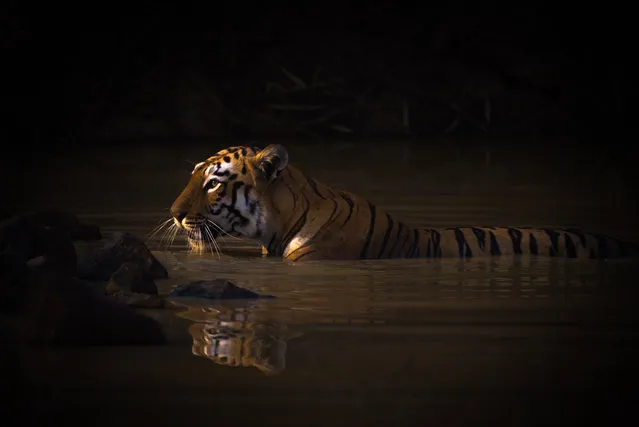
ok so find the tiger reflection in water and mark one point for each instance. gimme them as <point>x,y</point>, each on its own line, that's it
<point>236,338</point>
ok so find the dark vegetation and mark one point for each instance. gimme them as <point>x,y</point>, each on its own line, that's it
<point>347,72</point>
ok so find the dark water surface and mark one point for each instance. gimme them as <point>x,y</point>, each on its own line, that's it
<point>510,342</point>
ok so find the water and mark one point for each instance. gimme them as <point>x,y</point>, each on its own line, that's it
<point>401,342</point>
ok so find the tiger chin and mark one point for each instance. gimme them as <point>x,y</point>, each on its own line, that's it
<point>246,191</point>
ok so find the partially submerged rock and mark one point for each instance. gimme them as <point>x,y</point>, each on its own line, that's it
<point>64,310</point>
<point>49,234</point>
<point>13,283</point>
<point>121,248</point>
<point>43,301</point>
<point>130,277</point>
<point>215,289</point>
<point>139,300</point>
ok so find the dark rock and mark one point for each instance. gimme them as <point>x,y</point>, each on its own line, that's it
<point>66,311</point>
<point>131,278</point>
<point>64,222</point>
<point>13,287</point>
<point>49,234</point>
<point>139,300</point>
<point>87,233</point>
<point>67,222</point>
<point>25,240</point>
<point>121,248</point>
<point>41,300</point>
<point>215,289</point>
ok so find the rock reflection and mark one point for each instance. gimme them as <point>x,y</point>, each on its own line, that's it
<point>238,337</point>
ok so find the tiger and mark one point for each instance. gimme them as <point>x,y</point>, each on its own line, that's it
<point>254,193</point>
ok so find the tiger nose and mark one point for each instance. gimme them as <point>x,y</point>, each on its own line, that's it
<point>178,215</point>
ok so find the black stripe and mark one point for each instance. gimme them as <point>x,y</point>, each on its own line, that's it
<point>350,203</point>
<point>371,229</point>
<point>462,244</point>
<point>515,236</point>
<point>313,185</point>
<point>437,249</point>
<point>299,251</point>
<point>270,247</point>
<point>571,251</point>
<point>236,186</point>
<point>296,227</point>
<point>532,245</point>
<point>461,241</point>
<point>231,208</point>
<point>429,242</point>
<point>404,242</point>
<point>578,233</point>
<point>554,241</point>
<point>602,246</point>
<point>302,255</point>
<point>387,235</point>
<point>413,246</point>
<point>326,224</point>
<point>399,233</point>
<point>494,246</point>
<point>621,249</point>
<point>481,237</point>
<point>331,219</point>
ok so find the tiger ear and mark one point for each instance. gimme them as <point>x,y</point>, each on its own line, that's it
<point>271,160</point>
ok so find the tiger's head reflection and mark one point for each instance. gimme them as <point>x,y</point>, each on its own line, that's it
<point>235,337</point>
<point>238,344</point>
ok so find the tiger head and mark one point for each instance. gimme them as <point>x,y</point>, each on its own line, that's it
<point>226,194</point>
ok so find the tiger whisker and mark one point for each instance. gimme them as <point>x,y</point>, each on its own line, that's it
<point>215,245</point>
<point>200,245</point>
<point>157,229</point>
<point>220,229</point>
<point>191,235</point>
<point>190,240</point>
<point>212,240</point>
<point>175,230</point>
<point>207,239</point>
<point>165,235</point>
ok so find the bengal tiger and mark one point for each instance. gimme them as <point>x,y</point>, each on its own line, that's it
<point>255,193</point>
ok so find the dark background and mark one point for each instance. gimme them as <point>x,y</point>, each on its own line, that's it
<point>310,70</point>
<point>527,78</point>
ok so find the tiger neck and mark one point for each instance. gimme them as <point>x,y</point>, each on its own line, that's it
<point>290,200</point>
